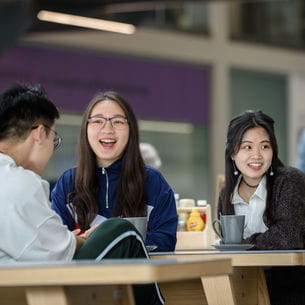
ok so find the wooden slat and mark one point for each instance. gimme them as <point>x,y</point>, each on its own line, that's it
<point>119,273</point>
<point>196,240</point>
<point>218,290</point>
<point>97,295</point>
<point>263,294</point>
<point>46,295</point>
<point>76,295</point>
<point>81,282</point>
<point>245,258</point>
<point>248,287</point>
<point>220,180</point>
<point>177,293</point>
<point>12,296</point>
<point>248,278</point>
<point>202,209</point>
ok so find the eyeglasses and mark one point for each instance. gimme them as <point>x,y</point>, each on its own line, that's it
<point>57,139</point>
<point>117,122</point>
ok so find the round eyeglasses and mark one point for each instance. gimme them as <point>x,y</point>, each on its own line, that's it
<point>57,138</point>
<point>117,122</point>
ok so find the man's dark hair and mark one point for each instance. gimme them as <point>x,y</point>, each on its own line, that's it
<point>21,108</point>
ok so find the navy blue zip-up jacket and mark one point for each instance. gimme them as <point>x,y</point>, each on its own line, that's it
<point>161,206</point>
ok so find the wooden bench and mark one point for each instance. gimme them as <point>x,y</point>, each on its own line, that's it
<point>109,281</point>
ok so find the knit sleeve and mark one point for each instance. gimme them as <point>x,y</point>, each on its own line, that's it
<point>286,226</point>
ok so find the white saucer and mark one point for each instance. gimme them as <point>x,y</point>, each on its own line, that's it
<point>233,247</point>
<point>151,248</point>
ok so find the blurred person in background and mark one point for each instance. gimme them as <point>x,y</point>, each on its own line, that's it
<point>111,179</point>
<point>270,195</point>
<point>150,155</point>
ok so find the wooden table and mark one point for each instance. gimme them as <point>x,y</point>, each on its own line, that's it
<point>108,281</point>
<point>248,278</point>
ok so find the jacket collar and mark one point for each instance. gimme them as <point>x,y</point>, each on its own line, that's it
<point>115,166</point>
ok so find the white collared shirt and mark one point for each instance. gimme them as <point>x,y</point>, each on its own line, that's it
<point>30,230</point>
<point>253,210</point>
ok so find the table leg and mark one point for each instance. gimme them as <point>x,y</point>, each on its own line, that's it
<point>218,290</point>
<point>128,298</point>
<point>184,292</point>
<point>263,294</point>
<point>46,295</point>
<point>250,286</point>
<point>80,295</point>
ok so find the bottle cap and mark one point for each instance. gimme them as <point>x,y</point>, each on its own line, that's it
<point>187,202</point>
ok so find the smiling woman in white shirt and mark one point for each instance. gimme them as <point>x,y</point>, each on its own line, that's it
<point>269,194</point>
<point>259,186</point>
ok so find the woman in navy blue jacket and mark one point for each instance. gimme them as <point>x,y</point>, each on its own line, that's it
<point>111,180</point>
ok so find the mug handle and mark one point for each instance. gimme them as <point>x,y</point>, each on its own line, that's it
<point>214,228</point>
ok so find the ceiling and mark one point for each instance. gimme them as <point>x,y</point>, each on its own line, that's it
<point>19,16</point>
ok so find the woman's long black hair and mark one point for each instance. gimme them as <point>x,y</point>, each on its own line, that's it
<point>237,127</point>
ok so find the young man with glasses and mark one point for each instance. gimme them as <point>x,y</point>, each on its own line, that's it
<point>30,230</point>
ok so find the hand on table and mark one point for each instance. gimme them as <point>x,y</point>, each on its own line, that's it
<point>85,234</point>
<point>81,238</point>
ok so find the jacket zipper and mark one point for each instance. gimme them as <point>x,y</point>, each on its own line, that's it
<point>104,172</point>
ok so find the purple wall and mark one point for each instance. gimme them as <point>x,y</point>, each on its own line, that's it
<point>156,90</point>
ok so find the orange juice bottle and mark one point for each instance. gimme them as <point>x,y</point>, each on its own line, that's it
<point>195,222</point>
